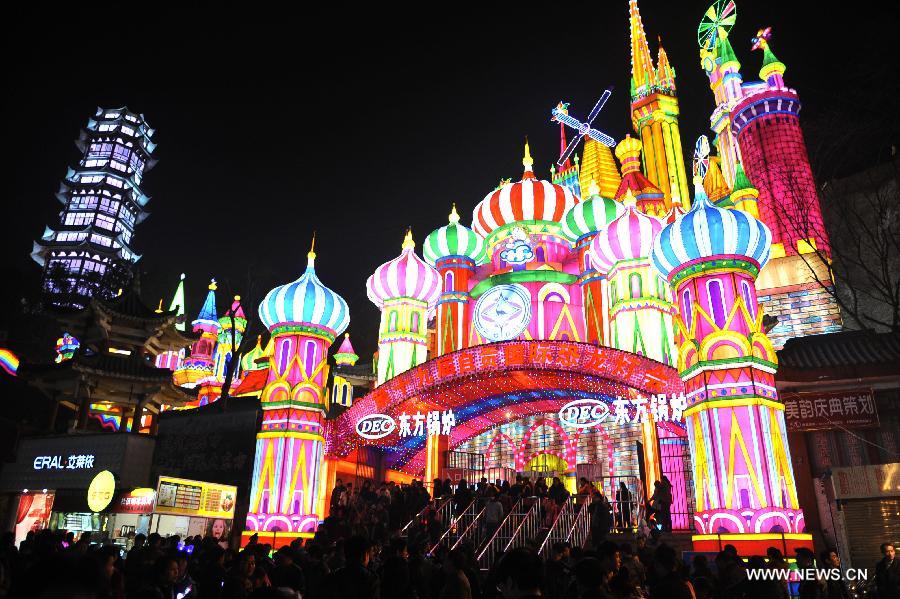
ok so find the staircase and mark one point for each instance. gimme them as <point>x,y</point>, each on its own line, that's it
<point>464,527</point>
<point>518,529</point>
<point>443,509</point>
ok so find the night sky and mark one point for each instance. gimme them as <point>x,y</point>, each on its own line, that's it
<point>356,125</point>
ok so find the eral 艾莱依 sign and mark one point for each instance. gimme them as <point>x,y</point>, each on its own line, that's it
<point>378,426</point>
<point>58,462</point>
<point>588,412</point>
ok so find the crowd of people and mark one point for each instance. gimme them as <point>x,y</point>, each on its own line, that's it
<point>378,542</point>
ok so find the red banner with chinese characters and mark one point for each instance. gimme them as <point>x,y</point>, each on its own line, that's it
<point>854,408</point>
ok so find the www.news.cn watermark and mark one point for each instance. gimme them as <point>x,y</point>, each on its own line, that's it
<point>800,574</point>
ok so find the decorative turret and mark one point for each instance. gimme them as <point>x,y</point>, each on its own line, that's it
<point>406,289</point>
<point>744,195</point>
<point>650,200</point>
<point>304,318</point>
<point>455,251</point>
<point>200,364</point>
<point>177,304</point>
<point>772,70</point>
<point>640,307</point>
<point>712,256</point>
<point>226,345</point>
<point>654,114</point>
<point>581,224</point>
<point>346,355</point>
<point>253,359</point>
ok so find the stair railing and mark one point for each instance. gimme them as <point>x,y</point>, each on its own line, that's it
<point>444,508</point>
<point>559,529</point>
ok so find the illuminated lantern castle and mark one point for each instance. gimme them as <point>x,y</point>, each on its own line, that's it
<point>743,477</point>
<point>654,114</point>
<point>764,159</point>
<point>88,253</point>
<point>200,364</point>
<point>303,317</point>
<point>406,289</point>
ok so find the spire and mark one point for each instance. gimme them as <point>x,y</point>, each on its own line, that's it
<point>528,161</point>
<point>563,108</point>
<point>628,151</point>
<point>159,308</point>
<point>408,243</point>
<point>346,355</point>
<point>454,215</point>
<point>177,304</point>
<point>643,76</point>
<point>311,255</point>
<point>237,308</point>
<point>744,196</point>
<point>593,188</point>
<point>772,69</point>
<point>208,311</point>
<point>725,53</point>
<point>665,74</point>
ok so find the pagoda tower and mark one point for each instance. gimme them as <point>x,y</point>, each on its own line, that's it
<point>406,290</point>
<point>304,318</point>
<point>454,250</point>
<point>200,363</point>
<point>743,477</point>
<point>640,306</point>
<point>88,253</point>
<point>654,114</point>
<point>580,225</point>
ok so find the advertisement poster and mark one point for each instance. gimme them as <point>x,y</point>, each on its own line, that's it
<point>33,514</point>
<point>821,411</point>
<point>183,497</point>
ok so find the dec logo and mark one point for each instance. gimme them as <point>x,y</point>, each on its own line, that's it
<point>375,426</point>
<point>584,413</point>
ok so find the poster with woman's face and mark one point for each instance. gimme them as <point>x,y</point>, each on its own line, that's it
<point>218,528</point>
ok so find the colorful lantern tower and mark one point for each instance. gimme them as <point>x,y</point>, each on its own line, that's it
<point>580,225</point>
<point>406,290</point>
<point>303,317</point>
<point>743,478</point>
<point>342,389</point>
<point>640,308</point>
<point>654,114</point>
<point>177,304</point>
<point>89,252</point>
<point>226,346</point>
<point>455,251</point>
<point>648,197</point>
<point>199,365</point>
<point>766,123</point>
<point>254,359</point>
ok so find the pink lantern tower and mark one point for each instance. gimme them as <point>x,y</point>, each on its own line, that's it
<point>744,482</point>
<point>304,318</point>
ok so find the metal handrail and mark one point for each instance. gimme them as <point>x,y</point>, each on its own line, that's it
<point>577,535</point>
<point>504,531</point>
<point>527,529</point>
<point>636,504</point>
<point>444,509</point>
<point>560,528</point>
<point>463,521</point>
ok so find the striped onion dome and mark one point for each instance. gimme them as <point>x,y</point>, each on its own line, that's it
<point>307,302</point>
<point>591,215</point>
<point>707,231</point>
<point>627,238</point>
<point>528,199</point>
<point>453,240</point>
<point>407,275</point>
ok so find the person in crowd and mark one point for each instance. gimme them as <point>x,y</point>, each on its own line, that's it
<point>520,574</point>
<point>456,583</point>
<point>808,588</point>
<point>355,580</point>
<point>287,574</point>
<point>623,507</point>
<point>558,571</point>
<point>238,583</point>
<point>163,579</point>
<point>670,580</point>
<point>887,572</point>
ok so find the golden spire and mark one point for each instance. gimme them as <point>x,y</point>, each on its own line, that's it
<point>642,72</point>
<point>212,285</point>
<point>593,188</point>
<point>629,199</point>
<point>311,255</point>
<point>454,215</point>
<point>159,308</point>
<point>528,161</point>
<point>408,242</point>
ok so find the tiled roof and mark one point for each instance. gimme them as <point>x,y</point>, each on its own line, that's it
<point>840,355</point>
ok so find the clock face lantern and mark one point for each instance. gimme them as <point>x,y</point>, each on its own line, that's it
<point>503,312</point>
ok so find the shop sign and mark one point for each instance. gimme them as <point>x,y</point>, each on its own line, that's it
<point>137,501</point>
<point>183,497</point>
<point>854,408</point>
<point>375,426</point>
<point>101,491</point>
<point>586,413</point>
<point>58,462</point>
<point>378,426</point>
<point>859,482</point>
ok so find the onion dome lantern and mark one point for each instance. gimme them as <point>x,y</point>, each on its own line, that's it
<point>453,239</point>
<point>406,276</point>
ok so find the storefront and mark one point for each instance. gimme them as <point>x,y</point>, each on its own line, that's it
<point>190,507</point>
<point>49,480</point>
